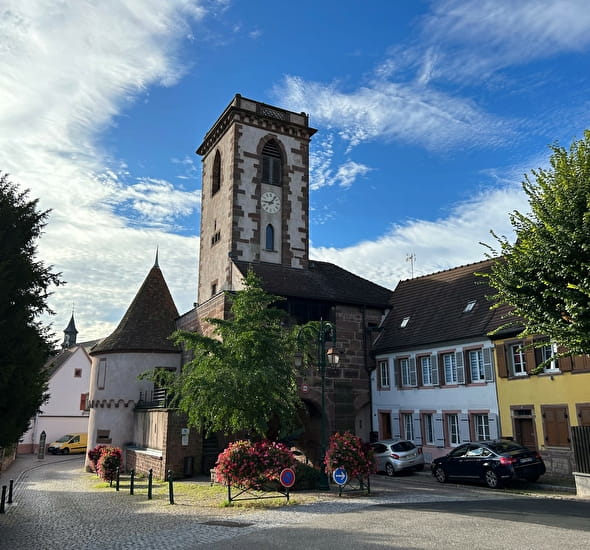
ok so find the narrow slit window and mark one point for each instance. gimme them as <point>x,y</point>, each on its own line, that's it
<point>216,176</point>
<point>270,237</point>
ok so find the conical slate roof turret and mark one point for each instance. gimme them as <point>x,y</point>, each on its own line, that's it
<point>148,323</point>
<point>70,334</point>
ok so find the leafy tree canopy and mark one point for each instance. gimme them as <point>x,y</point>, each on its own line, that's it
<point>25,345</point>
<point>545,274</point>
<point>243,379</point>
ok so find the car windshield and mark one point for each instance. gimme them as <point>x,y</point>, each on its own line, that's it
<point>402,446</point>
<point>505,446</point>
<point>64,438</point>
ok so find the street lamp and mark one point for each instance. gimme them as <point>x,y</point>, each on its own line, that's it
<point>322,333</point>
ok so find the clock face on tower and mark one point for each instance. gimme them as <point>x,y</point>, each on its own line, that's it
<point>270,202</point>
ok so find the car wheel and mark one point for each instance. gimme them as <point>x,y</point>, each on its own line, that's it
<point>419,468</point>
<point>491,478</point>
<point>66,451</point>
<point>389,470</point>
<point>440,474</point>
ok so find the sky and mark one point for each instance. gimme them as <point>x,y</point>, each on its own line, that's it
<point>429,114</point>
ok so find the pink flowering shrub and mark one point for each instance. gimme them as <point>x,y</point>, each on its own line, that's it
<point>110,459</point>
<point>252,465</point>
<point>94,455</point>
<point>349,452</point>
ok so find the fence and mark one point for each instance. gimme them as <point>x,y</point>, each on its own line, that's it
<point>581,445</point>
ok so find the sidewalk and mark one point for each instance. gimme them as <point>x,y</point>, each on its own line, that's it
<point>27,462</point>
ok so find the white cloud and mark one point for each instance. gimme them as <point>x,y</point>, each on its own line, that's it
<point>404,112</point>
<point>67,70</point>
<point>442,244</point>
<point>481,36</point>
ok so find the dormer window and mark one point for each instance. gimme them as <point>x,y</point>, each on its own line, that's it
<point>404,322</point>
<point>470,305</point>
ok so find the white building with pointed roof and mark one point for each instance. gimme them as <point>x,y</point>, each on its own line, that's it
<point>139,343</point>
<point>69,379</point>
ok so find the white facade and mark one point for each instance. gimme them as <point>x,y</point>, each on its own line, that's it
<point>410,402</point>
<point>115,391</point>
<point>65,412</point>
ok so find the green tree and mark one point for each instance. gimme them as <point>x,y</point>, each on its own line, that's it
<point>545,274</point>
<point>25,344</point>
<point>243,379</point>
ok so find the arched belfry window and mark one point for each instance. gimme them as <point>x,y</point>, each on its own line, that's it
<point>216,177</point>
<point>271,163</point>
<point>270,237</point>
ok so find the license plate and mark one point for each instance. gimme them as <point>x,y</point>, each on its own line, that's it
<point>523,460</point>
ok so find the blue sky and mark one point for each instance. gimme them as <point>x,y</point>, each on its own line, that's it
<point>428,116</point>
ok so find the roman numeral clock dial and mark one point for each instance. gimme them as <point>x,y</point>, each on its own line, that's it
<point>270,202</point>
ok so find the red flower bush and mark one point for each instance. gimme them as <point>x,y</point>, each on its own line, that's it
<point>252,465</point>
<point>94,455</point>
<point>349,452</point>
<point>110,459</point>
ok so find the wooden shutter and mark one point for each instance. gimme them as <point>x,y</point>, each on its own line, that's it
<point>440,367</point>
<point>417,429</point>
<point>494,427</point>
<point>419,377</point>
<point>412,370</point>
<point>395,424</point>
<point>464,432</point>
<point>556,426</point>
<point>460,367</point>
<point>398,373</point>
<point>584,415</point>
<point>434,369</point>
<point>488,364</point>
<point>529,355</point>
<point>439,430</point>
<point>501,360</point>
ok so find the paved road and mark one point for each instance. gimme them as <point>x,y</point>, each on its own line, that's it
<point>54,509</point>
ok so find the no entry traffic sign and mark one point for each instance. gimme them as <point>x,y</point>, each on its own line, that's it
<point>287,477</point>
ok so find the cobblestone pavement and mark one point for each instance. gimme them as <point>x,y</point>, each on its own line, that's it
<point>59,506</point>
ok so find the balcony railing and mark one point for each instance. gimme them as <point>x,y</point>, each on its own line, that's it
<point>157,398</point>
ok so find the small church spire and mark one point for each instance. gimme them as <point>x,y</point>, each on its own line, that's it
<point>156,262</point>
<point>70,333</point>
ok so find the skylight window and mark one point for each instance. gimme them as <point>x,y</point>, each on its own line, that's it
<point>405,322</point>
<point>469,307</point>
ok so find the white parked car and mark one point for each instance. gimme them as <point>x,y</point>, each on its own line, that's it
<point>395,455</point>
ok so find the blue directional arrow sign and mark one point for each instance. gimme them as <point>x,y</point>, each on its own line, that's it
<point>340,476</point>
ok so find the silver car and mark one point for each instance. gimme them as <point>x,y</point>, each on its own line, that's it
<point>395,455</point>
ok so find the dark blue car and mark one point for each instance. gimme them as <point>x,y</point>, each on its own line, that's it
<point>490,461</point>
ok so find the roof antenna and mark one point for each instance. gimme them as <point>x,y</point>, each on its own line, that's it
<point>411,258</point>
<point>156,262</point>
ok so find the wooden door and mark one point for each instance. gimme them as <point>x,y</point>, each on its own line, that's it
<point>524,432</point>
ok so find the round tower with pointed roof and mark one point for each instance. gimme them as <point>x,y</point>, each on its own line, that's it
<point>139,343</point>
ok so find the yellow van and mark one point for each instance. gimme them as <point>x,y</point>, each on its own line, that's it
<point>70,443</point>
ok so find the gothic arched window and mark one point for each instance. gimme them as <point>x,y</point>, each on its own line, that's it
<point>216,177</point>
<point>270,237</point>
<point>271,163</point>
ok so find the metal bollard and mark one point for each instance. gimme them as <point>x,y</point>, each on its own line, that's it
<point>10,491</point>
<point>131,481</point>
<point>170,486</point>
<point>3,499</point>
<point>118,479</point>
<point>150,484</point>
